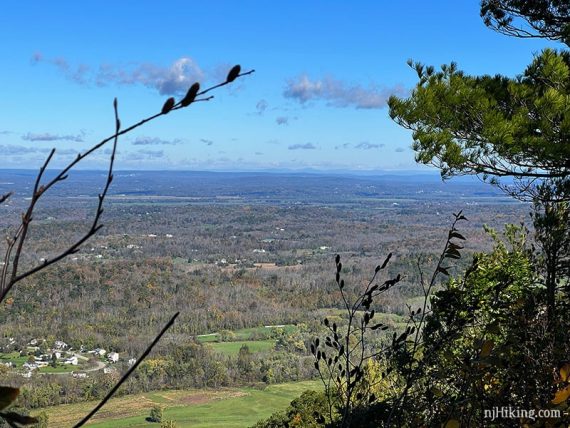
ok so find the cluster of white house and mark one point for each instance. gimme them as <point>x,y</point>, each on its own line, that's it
<point>112,357</point>
<point>63,354</point>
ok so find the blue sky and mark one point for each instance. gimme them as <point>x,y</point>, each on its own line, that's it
<point>324,70</point>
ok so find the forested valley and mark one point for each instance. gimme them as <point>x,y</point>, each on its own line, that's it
<point>231,256</point>
<point>307,299</point>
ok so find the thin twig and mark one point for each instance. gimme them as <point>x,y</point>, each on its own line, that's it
<point>128,373</point>
<point>20,237</point>
<point>26,219</point>
<point>417,342</point>
<point>5,197</point>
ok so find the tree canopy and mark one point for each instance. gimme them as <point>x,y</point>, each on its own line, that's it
<point>523,18</point>
<point>492,125</point>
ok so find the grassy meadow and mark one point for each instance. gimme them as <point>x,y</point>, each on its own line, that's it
<point>226,407</point>
<point>232,348</point>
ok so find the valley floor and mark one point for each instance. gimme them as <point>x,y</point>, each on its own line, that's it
<point>226,407</point>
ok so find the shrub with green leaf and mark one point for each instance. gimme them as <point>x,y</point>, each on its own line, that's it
<point>156,414</point>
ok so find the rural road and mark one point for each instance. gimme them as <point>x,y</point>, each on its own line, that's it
<point>99,365</point>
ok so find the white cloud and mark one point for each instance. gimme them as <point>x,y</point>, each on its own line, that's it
<point>306,146</point>
<point>12,150</point>
<point>154,141</point>
<point>143,155</point>
<point>368,146</point>
<point>46,136</point>
<point>172,80</point>
<point>78,73</point>
<point>167,80</point>
<point>338,93</point>
<point>261,106</point>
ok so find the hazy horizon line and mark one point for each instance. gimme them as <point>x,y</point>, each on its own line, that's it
<point>250,171</point>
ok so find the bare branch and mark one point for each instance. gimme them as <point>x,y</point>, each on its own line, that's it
<point>5,197</point>
<point>128,373</point>
<point>39,190</point>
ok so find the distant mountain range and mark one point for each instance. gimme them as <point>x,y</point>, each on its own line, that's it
<point>265,186</point>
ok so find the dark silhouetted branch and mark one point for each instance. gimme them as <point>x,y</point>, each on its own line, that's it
<point>128,373</point>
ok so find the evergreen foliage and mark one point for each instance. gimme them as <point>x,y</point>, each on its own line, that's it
<point>522,18</point>
<point>492,126</point>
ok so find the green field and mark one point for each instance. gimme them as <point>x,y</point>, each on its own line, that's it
<point>13,357</point>
<point>248,333</point>
<point>227,407</point>
<point>61,368</point>
<point>232,348</point>
<point>206,338</point>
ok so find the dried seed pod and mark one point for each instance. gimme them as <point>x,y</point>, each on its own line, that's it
<point>190,95</point>
<point>234,73</point>
<point>168,105</point>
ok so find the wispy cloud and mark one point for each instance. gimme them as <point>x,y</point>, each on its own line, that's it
<point>66,152</point>
<point>152,153</point>
<point>338,93</point>
<point>282,120</point>
<point>154,141</point>
<point>342,146</point>
<point>306,146</point>
<point>12,150</point>
<point>141,155</point>
<point>400,150</point>
<point>368,146</point>
<point>261,106</point>
<point>46,136</point>
<point>174,79</point>
<point>77,73</point>
<point>171,80</point>
<point>365,145</point>
<point>206,141</point>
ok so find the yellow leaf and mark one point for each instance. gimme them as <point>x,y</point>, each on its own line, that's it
<point>486,348</point>
<point>7,396</point>
<point>561,396</point>
<point>565,372</point>
<point>437,392</point>
<point>452,423</point>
